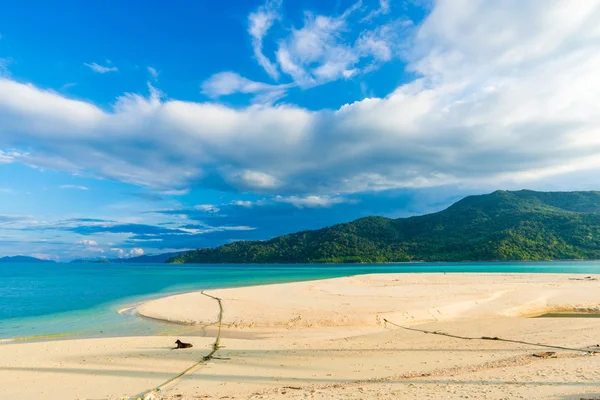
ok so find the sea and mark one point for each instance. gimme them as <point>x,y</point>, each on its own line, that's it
<point>52,301</point>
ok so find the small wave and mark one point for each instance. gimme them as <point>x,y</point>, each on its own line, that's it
<point>9,340</point>
<point>127,311</point>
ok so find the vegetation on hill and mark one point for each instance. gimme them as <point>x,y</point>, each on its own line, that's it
<point>503,225</point>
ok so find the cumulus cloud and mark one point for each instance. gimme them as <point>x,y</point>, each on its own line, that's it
<point>505,92</point>
<point>101,69</point>
<point>326,48</point>
<point>134,252</point>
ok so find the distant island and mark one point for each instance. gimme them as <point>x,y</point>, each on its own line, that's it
<point>158,258</point>
<point>504,225</point>
<point>24,259</point>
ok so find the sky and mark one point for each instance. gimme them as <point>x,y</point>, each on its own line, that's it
<point>130,128</point>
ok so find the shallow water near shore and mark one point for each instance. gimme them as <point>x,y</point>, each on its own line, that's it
<point>39,301</point>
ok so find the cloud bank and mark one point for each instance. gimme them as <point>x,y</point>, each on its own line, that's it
<point>505,92</point>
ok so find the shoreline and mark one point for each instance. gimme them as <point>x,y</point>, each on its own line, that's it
<point>190,309</point>
<point>325,338</point>
<point>129,308</point>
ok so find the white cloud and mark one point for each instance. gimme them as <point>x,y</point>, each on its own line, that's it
<point>243,203</point>
<point>254,179</point>
<point>325,48</point>
<point>311,201</point>
<point>384,9</point>
<point>315,53</point>
<point>506,93</point>
<point>6,158</point>
<point>134,252</point>
<point>259,23</point>
<point>101,69</point>
<point>235,228</point>
<point>87,242</point>
<point>209,208</point>
<point>227,83</point>
<point>73,187</point>
<point>119,251</point>
<point>153,72</point>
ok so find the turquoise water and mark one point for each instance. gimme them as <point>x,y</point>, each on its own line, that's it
<point>83,299</point>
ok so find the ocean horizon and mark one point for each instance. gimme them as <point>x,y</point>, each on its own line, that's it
<point>43,301</point>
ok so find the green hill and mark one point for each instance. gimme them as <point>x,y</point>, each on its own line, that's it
<point>523,225</point>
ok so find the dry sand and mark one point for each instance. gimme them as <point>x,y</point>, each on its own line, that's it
<point>326,339</point>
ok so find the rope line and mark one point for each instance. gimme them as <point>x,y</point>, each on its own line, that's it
<point>215,347</point>
<point>490,338</point>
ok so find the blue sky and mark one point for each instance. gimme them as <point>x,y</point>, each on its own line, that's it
<point>131,128</point>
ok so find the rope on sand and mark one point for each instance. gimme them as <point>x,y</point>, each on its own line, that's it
<point>489,338</point>
<point>215,347</point>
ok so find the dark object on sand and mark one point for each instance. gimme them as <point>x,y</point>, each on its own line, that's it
<point>546,354</point>
<point>181,345</point>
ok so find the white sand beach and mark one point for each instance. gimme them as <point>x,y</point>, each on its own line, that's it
<point>328,339</point>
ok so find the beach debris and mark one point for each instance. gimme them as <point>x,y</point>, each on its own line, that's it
<point>546,354</point>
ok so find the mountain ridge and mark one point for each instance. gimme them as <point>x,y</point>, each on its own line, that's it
<point>146,258</point>
<point>503,225</point>
<point>24,259</point>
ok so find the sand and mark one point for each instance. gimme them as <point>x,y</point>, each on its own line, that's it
<point>327,339</point>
